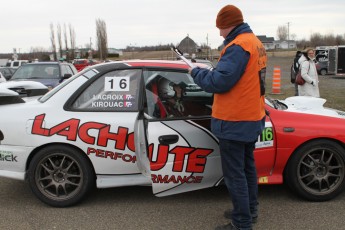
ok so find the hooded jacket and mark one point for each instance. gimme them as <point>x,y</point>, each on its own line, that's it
<point>309,74</point>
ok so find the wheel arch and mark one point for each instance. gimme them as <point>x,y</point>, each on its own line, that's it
<point>306,143</point>
<point>32,154</point>
<point>323,71</point>
<point>316,181</point>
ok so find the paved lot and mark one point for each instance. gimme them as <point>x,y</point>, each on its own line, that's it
<point>136,208</point>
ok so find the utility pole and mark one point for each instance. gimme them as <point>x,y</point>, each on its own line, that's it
<point>288,30</point>
<point>207,47</point>
<point>90,50</point>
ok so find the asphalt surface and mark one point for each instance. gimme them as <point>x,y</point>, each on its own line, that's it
<point>130,208</point>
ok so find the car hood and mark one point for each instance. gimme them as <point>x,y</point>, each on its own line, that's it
<point>311,105</point>
<point>49,82</point>
<point>13,91</point>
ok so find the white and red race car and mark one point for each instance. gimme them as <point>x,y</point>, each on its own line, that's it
<point>146,123</point>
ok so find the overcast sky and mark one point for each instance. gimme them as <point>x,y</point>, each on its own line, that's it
<point>25,24</point>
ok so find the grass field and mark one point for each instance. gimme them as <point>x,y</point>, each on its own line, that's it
<point>331,87</point>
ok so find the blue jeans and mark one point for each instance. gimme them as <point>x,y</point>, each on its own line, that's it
<point>241,180</point>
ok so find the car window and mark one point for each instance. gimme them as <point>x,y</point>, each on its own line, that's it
<point>174,94</point>
<point>66,69</point>
<point>37,71</point>
<point>3,71</point>
<point>114,91</point>
<point>80,62</point>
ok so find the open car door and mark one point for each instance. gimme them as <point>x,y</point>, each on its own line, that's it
<point>181,153</point>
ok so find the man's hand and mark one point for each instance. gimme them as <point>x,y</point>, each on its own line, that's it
<point>190,70</point>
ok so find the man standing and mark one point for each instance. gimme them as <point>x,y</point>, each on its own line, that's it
<point>238,114</point>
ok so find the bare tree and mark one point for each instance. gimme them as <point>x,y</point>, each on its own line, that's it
<point>316,39</point>
<point>339,40</point>
<point>39,53</point>
<point>52,39</point>
<point>59,38</point>
<point>72,40</point>
<point>329,39</point>
<point>282,33</point>
<point>102,40</point>
<point>65,37</point>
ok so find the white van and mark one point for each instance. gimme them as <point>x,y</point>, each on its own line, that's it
<point>16,63</point>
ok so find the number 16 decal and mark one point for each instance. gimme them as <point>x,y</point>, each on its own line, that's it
<point>116,84</point>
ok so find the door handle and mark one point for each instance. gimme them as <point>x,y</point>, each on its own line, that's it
<point>168,139</point>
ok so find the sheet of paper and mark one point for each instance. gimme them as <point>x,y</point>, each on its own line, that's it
<point>183,58</point>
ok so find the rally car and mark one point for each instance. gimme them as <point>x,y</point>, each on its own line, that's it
<point>147,123</point>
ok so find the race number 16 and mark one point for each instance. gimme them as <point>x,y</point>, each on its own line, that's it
<point>116,84</point>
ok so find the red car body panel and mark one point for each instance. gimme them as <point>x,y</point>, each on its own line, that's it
<point>291,131</point>
<point>80,64</point>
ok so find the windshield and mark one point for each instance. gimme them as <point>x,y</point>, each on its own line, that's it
<point>37,71</point>
<point>80,62</point>
<point>88,74</point>
<point>277,104</point>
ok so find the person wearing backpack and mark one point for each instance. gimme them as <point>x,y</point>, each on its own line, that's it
<point>294,70</point>
<point>309,74</point>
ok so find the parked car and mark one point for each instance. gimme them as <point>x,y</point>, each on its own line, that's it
<point>15,91</point>
<point>16,63</point>
<point>7,72</point>
<point>48,73</point>
<point>322,68</point>
<point>80,64</point>
<point>114,124</point>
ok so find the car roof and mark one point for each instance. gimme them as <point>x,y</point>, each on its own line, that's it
<point>43,63</point>
<point>149,63</point>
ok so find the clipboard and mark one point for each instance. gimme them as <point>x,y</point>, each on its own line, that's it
<point>183,58</point>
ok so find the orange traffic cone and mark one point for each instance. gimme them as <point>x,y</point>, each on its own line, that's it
<point>276,81</point>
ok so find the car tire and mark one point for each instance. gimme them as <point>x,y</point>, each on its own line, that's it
<point>316,170</point>
<point>323,72</point>
<point>60,176</point>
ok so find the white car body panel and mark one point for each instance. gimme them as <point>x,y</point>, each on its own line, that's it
<point>310,105</point>
<point>24,84</point>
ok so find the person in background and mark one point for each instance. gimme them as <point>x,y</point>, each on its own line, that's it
<point>309,74</point>
<point>296,69</point>
<point>238,114</point>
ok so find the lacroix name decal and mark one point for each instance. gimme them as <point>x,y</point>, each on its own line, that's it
<point>72,129</point>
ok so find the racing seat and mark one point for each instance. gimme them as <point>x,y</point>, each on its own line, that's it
<point>157,100</point>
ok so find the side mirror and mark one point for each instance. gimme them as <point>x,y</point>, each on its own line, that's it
<point>66,76</point>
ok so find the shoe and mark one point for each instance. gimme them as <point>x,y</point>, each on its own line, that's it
<point>227,214</point>
<point>229,226</point>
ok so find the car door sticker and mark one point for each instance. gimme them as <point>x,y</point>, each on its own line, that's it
<point>266,138</point>
<point>116,84</point>
<point>72,129</point>
<point>112,100</point>
<point>192,160</point>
